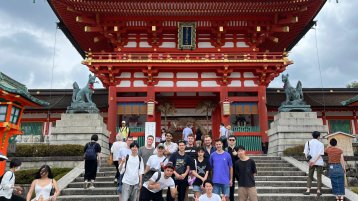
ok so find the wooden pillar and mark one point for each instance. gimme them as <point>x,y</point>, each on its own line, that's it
<point>112,113</point>
<point>215,122</point>
<point>324,119</point>
<point>224,95</point>
<point>355,122</point>
<point>263,113</point>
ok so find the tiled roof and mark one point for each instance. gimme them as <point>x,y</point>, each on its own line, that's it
<point>12,86</point>
<point>59,99</point>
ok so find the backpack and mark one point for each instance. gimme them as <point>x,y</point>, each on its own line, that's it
<point>120,183</point>
<point>3,176</point>
<point>90,153</point>
<point>150,173</point>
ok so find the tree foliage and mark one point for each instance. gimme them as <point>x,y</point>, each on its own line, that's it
<point>352,85</point>
<point>206,107</point>
<point>166,108</point>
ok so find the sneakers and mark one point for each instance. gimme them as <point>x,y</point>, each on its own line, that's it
<point>115,180</point>
<point>91,186</point>
<point>86,184</point>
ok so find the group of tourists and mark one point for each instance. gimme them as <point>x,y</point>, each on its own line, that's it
<point>44,186</point>
<point>144,172</point>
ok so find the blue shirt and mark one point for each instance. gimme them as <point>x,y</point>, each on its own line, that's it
<point>221,164</point>
<point>186,132</point>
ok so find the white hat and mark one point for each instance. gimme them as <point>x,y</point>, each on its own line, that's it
<point>2,157</point>
<point>123,122</point>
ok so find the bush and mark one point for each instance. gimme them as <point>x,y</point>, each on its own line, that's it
<point>43,150</point>
<point>27,176</point>
<point>294,151</point>
<point>354,189</point>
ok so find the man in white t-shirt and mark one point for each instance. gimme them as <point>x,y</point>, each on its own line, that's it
<point>152,190</point>
<point>209,195</point>
<point>115,149</point>
<point>169,146</point>
<point>157,161</point>
<point>7,185</point>
<point>132,170</point>
<point>314,150</point>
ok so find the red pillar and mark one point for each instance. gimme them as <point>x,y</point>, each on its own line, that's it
<point>324,120</point>
<point>224,95</point>
<point>112,113</point>
<point>263,113</point>
<point>215,122</point>
<point>355,122</point>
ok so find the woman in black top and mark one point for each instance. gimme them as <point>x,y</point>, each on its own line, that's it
<point>92,149</point>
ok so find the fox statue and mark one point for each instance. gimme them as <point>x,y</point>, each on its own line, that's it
<point>84,94</point>
<point>292,94</point>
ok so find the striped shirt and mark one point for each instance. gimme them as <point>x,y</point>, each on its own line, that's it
<point>334,154</point>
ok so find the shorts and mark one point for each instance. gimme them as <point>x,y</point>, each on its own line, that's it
<point>222,189</point>
<point>197,188</point>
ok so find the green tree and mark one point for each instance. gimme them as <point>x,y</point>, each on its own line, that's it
<point>352,85</point>
<point>206,107</point>
<point>166,108</point>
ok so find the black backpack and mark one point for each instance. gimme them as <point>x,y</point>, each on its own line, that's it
<point>150,173</point>
<point>91,153</point>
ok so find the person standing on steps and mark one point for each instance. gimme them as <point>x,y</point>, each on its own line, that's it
<point>314,150</point>
<point>245,169</point>
<point>232,149</point>
<point>124,130</point>
<point>115,149</point>
<point>187,131</point>
<point>209,148</point>
<point>8,190</point>
<point>221,164</point>
<point>92,150</point>
<point>147,150</point>
<point>336,169</point>
<point>132,168</point>
<point>181,162</point>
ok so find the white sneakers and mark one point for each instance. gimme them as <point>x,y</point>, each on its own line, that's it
<point>89,185</point>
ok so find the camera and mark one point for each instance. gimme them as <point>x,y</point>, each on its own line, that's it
<point>309,157</point>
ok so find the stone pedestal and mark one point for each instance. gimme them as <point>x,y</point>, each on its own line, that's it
<point>78,129</point>
<point>290,129</point>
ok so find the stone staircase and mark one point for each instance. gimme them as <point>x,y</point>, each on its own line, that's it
<point>277,180</point>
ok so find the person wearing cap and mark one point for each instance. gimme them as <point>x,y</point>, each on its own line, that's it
<point>157,161</point>
<point>169,146</point>
<point>152,189</point>
<point>124,130</point>
<point>7,186</point>
<point>245,169</point>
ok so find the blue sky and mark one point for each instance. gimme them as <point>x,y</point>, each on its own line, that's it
<point>28,37</point>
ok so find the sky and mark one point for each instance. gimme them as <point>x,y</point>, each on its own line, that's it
<point>35,53</point>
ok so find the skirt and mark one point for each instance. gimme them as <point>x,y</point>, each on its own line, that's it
<point>336,174</point>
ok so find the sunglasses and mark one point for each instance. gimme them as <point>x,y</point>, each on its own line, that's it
<point>231,139</point>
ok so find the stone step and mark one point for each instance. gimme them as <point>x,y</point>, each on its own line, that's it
<point>259,168</point>
<point>257,178</point>
<point>258,183</point>
<point>260,190</point>
<point>260,172</point>
<point>262,197</point>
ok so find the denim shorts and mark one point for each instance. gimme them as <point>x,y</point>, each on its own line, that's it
<point>197,189</point>
<point>222,189</point>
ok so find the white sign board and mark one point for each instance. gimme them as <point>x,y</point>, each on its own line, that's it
<point>150,128</point>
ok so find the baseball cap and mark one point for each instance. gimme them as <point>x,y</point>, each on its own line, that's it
<point>123,122</point>
<point>169,165</point>
<point>160,146</point>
